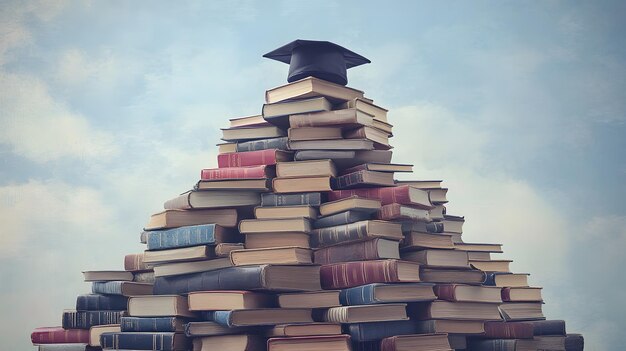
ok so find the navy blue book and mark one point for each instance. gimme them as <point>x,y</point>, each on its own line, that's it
<point>341,218</point>
<point>121,288</point>
<point>380,330</point>
<point>96,302</point>
<point>264,144</point>
<point>548,327</point>
<point>574,342</point>
<point>153,324</point>
<point>369,294</point>
<point>88,319</point>
<point>311,199</point>
<point>205,234</point>
<point>366,345</point>
<point>145,341</point>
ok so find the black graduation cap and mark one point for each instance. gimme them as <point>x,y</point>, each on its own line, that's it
<point>321,59</point>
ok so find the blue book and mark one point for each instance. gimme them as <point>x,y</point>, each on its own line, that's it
<point>153,324</point>
<point>96,302</point>
<point>88,319</point>
<point>310,199</point>
<point>341,218</point>
<point>368,294</point>
<point>205,234</point>
<point>145,341</point>
<point>121,288</point>
<point>261,317</point>
<point>380,330</point>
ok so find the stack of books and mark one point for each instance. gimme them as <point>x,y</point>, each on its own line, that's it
<point>302,239</point>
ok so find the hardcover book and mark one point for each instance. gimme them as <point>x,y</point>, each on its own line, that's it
<point>97,302</point>
<point>341,218</point>
<point>387,293</point>
<point>88,319</point>
<point>252,172</point>
<point>351,274</point>
<point>144,341</point>
<point>404,195</point>
<point>354,232</point>
<point>204,234</point>
<point>253,158</point>
<point>373,249</point>
<point>59,335</point>
<point>265,144</point>
<point>152,324</point>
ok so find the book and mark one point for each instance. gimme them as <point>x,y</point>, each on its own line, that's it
<point>478,255</point>
<point>361,332</point>
<point>176,218</point>
<point>97,330</point>
<point>314,133</point>
<point>334,144</point>
<point>105,276</point>
<point>302,211</point>
<point>368,107</point>
<point>253,158</point>
<point>318,342</point>
<point>301,225</point>
<point>502,279</point>
<point>280,239</point>
<point>251,172</point>
<point>96,302</point>
<point>144,277</point>
<point>424,342</point>
<point>450,326</point>
<point>135,263</point>
<point>159,306</point>
<point>121,288</point>
<point>278,113</point>
<point>352,203</point>
<point>314,299</point>
<point>420,241</point>
<point>58,335</point>
<point>341,218</point>
<point>423,227</point>
<point>209,328</point>
<point>453,225</point>
<point>309,199</point>
<point>574,342</point>
<point>271,255</point>
<point>366,313</point>
<point>179,268</point>
<point>364,178</point>
<point>467,293</point>
<point>379,137</point>
<point>301,184</point>
<point>403,195</point>
<point>229,300</point>
<point>304,329</point>
<point>437,213</point>
<point>251,133</point>
<point>204,234</point>
<point>192,253</point>
<point>66,347</point>
<point>548,327</point>
<point>212,199</point>
<point>348,118</point>
<point>224,249</point>
<point>395,212</point>
<point>438,196</point>
<point>262,316</point>
<point>491,265</point>
<point>264,144</point>
<point>345,158</point>
<point>554,343</point>
<point>152,324</point>
<point>254,185</point>
<point>421,184</point>
<point>263,277</point>
<point>355,231</point>
<point>463,276</point>
<point>478,247</point>
<point>156,341</point>
<point>438,258</point>
<point>386,293</point>
<point>380,167</point>
<point>372,249</point>
<point>312,87</point>
<point>88,319</point>
<point>240,342</point>
<point>440,309</point>
<point>248,121</point>
<point>312,168</point>
<point>516,311</point>
<point>508,330</point>
<point>351,274</point>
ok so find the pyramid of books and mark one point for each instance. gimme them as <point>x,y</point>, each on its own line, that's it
<point>302,240</point>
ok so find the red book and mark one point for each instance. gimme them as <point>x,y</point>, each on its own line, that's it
<point>351,274</point>
<point>134,263</point>
<point>58,335</point>
<point>253,172</point>
<point>404,195</point>
<point>252,158</point>
<point>508,330</point>
<point>358,251</point>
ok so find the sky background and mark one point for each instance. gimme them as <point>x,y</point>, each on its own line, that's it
<point>109,108</point>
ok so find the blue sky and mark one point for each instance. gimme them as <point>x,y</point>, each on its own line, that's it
<point>108,108</point>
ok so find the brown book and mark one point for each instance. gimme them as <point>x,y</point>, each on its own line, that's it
<point>252,133</point>
<point>438,258</point>
<point>314,133</point>
<point>372,249</point>
<point>453,225</point>
<point>478,255</point>
<point>177,218</point>
<point>380,138</point>
<point>348,118</point>
<point>237,342</point>
<point>311,87</point>
<point>454,310</point>
<point>351,274</point>
<point>300,225</point>
<point>356,231</point>
<point>524,294</point>
<point>368,107</point>
<point>179,268</point>
<point>364,178</point>
<point>269,240</point>
<point>421,184</point>
<point>107,276</point>
<point>273,110</point>
<point>265,316</point>
<point>395,211</point>
<point>516,311</point>
<point>465,276</point>
<point>491,265</point>
<point>310,343</point>
<point>220,300</point>
<point>224,249</point>
<point>508,330</point>
<point>134,263</point>
<point>313,299</point>
<point>516,280</point>
<point>468,293</point>
<point>272,255</point>
<point>337,144</point>
<point>280,212</point>
<point>304,329</point>
<point>366,313</point>
<point>159,306</point>
<point>97,330</point>
<point>421,342</point>
<point>197,329</point>
<point>478,247</point>
<point>301,184</point>
<point>352,203</point>
<point>248,121</point>
<point>213,199</point>
<point>419,241</point>
<point>193,253</point>
<point>299,169</point>
<point>256,185</point>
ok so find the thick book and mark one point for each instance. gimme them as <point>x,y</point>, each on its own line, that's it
<point>522,311</point>
<point>364,178</point>
<point>237,342</point>
<point>196,199</point>
<point>229,300</point>
<point>386,293</point>
<point>398,212</point>
<point>341,218</point>
<point>508,330</point>
<point>420,241</point>
<point>524,294</point>
<point>302,184</point>
<point>379,137</point>
<point>304,329</point>
<point>152,324</point>
<point>367,106</point>
<point>352,204</point>
<point>252,172</point>
<point>314,133</point>
<point>204,234</point>
<point>277,114</point>
<point>379,167</point>
<point>373,249</point>
<point>251,133</point>
<point>309,199</point>
<point>313,168</point>
<point>249,226</point>
<point>314,299</point>
<point>192,253</point>
<point>155,341</point>
<point>347,118</point>
<point>366,313</point>
<point>404,195</point>
<point>422,342</point>
<point>97,302</point>
<point>97,330</point>
<point>345,158</point>
<point>87,319</point>
<point>272,255</point>
<point>440,309</point>
<point>354,232</point>
<point>492,265</point>
<point>278,212</point>
<point>548,327</point>
<point>159,306</point>
<point>318,342</point>
<point>351,274</point>
<point>226,217</point>
<point>262,316</point>
<point>312,87</point>
<point>434,258</point>
<point>253,158</point>
<point>464,276</point>
<point>380,330</point>
<point>178,268</point>
<point>503,279</point>
<point>58,335</point>
<point>210,328</point>
<point>468,293</point>
<point>135,263</point>
<point>264,277</point>
<point>277,239</point>
<point>265,144</point>
<point>121,288</point>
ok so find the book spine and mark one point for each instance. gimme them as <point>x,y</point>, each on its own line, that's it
<point>272,200</point>
<point>508,330</point>
<point>138,341</point>
<point>336,314</point>
<point>446,292</point>
<point>389,212</point>
<point>351,274</point>
<point>144,324</point>
<point>359,295</point>
<point>341,218</point>
<point>134,263</point>
<point>249,158</point>
<point>87,319</point>
<point>492,345</point>
<point>549,327</point>
<point>388,344</point>
<point>107,288</point>
<point>265,144</point>
<point>254,172</point>
<point>338,234</point>
<point>379,330</point>
<point>223,318</point>
<point>357,251</point>
<point>181,237</point>
<point>59,336</point>
<point>349,180</point>
<point>94,302</point>
<point>231,278</point>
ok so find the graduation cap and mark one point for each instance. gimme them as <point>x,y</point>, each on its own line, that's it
<point>321,59</point>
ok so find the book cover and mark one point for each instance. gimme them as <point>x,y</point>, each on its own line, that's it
<point>508,330</point>
<point>144,341</point>
<point>387,195</point>
<point>366,294</point>
<point>263,144</point>
<point>205,234</point>
<point>252,172</point>
<point>344,233</point>
<point>354,251</point>
<point>341,218</point>
<point>87,319</point>
<point>252,158</point>
<point>134,263</point>
<point>548,327</point>
<point>151,324</point>
<point>58,335</point>
<point>351,274</point>
<point>97,302</point>
<point>310,199</point>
